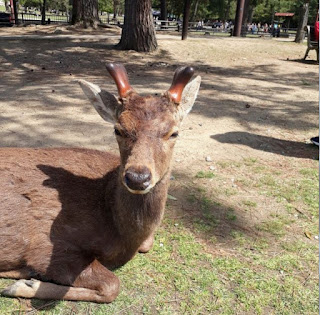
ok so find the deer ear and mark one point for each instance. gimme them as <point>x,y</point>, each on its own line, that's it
<point>105,103</point>
<point>189,96</point>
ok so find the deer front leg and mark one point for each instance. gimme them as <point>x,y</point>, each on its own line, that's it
<point>146,244</point>
<point>95,284</point>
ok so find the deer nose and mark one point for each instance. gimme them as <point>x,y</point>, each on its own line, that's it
<point>137,179</point>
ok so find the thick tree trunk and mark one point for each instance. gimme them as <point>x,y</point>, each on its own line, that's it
<point>303,20</point>
<point>138,30</point>
<point>186,15</point>
<point>85,12</point>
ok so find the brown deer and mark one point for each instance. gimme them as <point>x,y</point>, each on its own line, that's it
<point>69,216</point>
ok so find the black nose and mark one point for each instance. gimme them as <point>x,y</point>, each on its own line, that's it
<point>137,179</point>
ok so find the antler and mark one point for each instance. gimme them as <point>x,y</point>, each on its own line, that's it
<point>180,80</point>
<point>120,76</point>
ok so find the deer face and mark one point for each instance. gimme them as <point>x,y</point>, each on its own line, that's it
<point>146,128</point>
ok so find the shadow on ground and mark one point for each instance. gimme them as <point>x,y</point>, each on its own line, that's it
<point>269,144</point>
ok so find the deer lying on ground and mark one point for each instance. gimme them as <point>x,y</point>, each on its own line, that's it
<point>69,216</point>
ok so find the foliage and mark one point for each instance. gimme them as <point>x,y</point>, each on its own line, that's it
<point>105,5</point>
<point>61,5</point>
<point>265,9</point>
<point>202,9</point>
<point>111,5</point>
<point>225,9</point>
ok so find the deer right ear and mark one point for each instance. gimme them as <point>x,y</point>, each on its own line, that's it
<point>189,96</point>
<point>105,103</point>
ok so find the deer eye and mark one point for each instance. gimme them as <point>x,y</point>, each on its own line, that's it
<point>174,135</point>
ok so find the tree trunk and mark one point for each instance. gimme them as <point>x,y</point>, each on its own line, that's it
<point>138,30</point>
<point>195,11</point>
<point>76,16</point>
<point>227,11</point>
<point>250,14</point>
<point>238,20</point>
<point>116,4</point>
<point>43,12</point>
<point>186,15</point>
<point>163,9</point>
<point>85,12</point>
<point>6,4</point>
<point>15,10</point>
<point>245,12</point>
<point>303,20</point>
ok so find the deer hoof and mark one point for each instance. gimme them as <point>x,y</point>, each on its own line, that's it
<point>22,288</point>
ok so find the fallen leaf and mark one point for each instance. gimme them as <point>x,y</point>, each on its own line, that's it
<point>308,235</point>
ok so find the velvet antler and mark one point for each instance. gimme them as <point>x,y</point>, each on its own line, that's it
<point>180,80</point>
<point>120,76</point>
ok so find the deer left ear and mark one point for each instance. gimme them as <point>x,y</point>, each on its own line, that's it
<point>189,96</point>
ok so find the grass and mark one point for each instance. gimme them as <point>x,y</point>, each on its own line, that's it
<point>202,174</point>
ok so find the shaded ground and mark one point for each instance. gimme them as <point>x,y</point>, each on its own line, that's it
<point>256,110</point>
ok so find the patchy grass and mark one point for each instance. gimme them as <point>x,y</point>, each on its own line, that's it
<point>202,174</point>
<point>249,203</point>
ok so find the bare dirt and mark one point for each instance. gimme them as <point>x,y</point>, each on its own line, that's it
<point>258,101</point>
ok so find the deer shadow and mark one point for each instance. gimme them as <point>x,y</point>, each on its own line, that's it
<point>81,227</point>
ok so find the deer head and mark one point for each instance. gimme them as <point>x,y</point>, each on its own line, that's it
<point>146,127</point>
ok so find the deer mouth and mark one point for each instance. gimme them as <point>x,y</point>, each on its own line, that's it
<point>139,192</point>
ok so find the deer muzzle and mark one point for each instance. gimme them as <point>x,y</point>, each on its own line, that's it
<point>138,180</point>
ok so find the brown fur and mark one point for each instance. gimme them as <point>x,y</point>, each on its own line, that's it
<point>67,216</point>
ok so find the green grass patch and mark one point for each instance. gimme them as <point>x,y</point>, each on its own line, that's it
<point>230,192</point>
<point>274,227</point>
<point>203,174</point>
<point>230,215</point>
<point>249,203</point>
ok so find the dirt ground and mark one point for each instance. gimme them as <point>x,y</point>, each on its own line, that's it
<point>258,102</point>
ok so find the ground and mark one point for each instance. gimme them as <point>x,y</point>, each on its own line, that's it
<point>240,231</point>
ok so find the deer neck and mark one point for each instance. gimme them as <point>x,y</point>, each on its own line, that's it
<point>137,216</point>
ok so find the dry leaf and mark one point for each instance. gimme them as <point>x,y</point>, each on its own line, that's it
<point>308,235</point>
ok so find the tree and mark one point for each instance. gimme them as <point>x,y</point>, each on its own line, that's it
<point>163,7</point>
<point>85,12</point>
<point>105,5</point>
<point>303,20</point>
<point>239,17</point>
<point>138,30</point>
<point>6,4</point>
<point>43,12</point>
<point>15,11</point>
<point>186,15</point>
<point>116,4</point>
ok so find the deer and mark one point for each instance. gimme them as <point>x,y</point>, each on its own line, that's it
<point>70,216</point>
